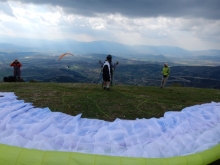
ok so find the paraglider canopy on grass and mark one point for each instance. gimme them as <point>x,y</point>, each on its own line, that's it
<point>65,54</point>
<point>30,135</point>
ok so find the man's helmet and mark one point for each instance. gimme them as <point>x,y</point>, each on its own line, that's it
<point>109,57</point>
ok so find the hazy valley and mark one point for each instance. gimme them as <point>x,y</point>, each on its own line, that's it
<point>137,69</point>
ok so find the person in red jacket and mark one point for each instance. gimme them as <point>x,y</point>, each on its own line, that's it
<point>17,71</point>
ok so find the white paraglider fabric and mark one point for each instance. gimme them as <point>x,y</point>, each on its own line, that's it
<point>189,131</point>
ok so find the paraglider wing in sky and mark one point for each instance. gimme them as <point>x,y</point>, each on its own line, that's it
<point>62,55</point>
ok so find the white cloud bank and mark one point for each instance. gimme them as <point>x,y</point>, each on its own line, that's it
<point>187,27</point>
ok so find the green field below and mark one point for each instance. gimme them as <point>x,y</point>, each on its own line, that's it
<point>124,102</point>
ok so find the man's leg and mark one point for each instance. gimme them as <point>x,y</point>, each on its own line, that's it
<point>19,74</point>
<point>107,85</point>
<point>15,75</point>
<point>162,82</point>
<point>104,84</point>
<point>165,81</point>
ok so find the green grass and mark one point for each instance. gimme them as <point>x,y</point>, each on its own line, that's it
<point>124,102</point>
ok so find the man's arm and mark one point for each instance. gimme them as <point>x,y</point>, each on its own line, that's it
<point>19,64</point>
<point>12,64</point>
<point>168,71</point>
<point>115,64</point>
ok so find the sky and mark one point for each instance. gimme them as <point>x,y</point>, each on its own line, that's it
<point>189,24</point>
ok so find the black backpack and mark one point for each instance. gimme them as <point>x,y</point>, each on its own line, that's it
<point>9,79</point>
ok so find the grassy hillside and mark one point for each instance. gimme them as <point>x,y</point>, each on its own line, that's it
<point>125,102</point>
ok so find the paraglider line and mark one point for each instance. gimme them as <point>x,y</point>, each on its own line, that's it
<point>98,106</point>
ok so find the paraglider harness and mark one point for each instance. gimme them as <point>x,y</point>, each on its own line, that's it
<point>112,69</point>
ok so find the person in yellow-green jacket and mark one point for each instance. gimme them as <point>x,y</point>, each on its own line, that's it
<point>165,74</point>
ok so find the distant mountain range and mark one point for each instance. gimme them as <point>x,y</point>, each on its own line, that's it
<point>101,47</point>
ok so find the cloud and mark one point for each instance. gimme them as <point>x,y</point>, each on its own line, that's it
<point>6,9</point>
<point>191,24</point>
<point>208,9</point>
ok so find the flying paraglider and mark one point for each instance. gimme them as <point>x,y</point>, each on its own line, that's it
<point>62,55</point>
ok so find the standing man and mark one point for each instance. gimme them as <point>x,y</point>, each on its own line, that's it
<point>17,71</point>
<point>112,68</point>
<point>165,74</point>
<point>106,72</point>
